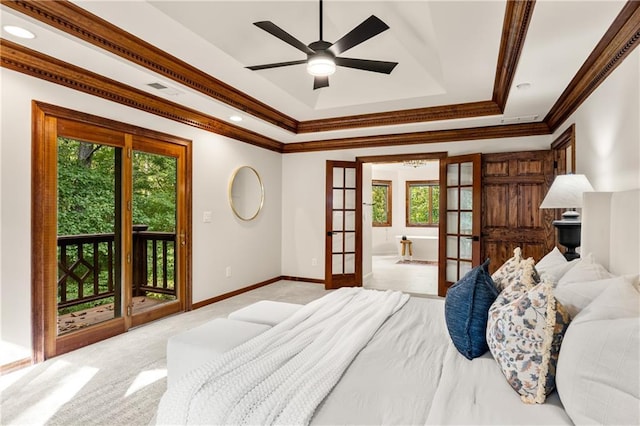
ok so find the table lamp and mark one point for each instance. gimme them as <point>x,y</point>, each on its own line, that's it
<point>566,192</point>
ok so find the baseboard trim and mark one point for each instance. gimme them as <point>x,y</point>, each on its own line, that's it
<point>253,287</point>
<point>234,293</point>
<point>306,280</point>
<point>15,365</point>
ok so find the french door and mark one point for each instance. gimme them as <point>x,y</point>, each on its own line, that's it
<point>343,262</point>
<point>460,220</point>
<point>95,274</point>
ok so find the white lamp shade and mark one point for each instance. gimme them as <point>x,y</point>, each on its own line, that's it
<point>566,192</point>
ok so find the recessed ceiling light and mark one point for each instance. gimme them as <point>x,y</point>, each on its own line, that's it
<point>19,31</point>
<point>523,86</point>
<point>235,118</point>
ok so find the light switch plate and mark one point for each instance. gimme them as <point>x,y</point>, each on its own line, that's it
<point>206,217</point>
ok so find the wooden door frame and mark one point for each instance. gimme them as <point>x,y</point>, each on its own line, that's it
<point>395,158</point>
<point>45,121</point>
<point>477,217</point>
<point>328,258</point>
<point>566,139</point>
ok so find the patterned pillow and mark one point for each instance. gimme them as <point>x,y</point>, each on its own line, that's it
<point>520,280</point>
<point>502,277</point>
<point>524,337</point>
<point>466,308</point>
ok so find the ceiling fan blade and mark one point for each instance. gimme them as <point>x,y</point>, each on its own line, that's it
<point>371,27</point>
<point>383,67</point>
<point>320,82</point>
<point>276,31</point>
<point>276,65</point>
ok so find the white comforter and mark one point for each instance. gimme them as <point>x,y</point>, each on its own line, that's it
<point>283,374</point>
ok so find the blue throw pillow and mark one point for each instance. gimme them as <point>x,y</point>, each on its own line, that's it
<point>466,310</point>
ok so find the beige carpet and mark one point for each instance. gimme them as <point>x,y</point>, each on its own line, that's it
<point>118,381</point>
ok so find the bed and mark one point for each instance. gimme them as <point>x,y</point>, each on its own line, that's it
<point>409,370</point>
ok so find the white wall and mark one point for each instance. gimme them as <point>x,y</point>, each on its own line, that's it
<point>290,231</point>
<point>303,194</point>
<point>251,249</point>
<point>607,151</point>
<point>608,130</point>
<point>383,238</point>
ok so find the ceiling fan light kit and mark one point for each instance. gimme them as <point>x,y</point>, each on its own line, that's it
<point>322,56</point>
<point>321,66</point>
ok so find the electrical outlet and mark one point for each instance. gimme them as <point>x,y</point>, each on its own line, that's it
<point>314,262</point>
<point>228,271</point>
<point>206,217</point>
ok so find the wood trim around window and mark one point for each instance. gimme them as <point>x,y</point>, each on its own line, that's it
<point>408,185</point>
<point>389,185</point>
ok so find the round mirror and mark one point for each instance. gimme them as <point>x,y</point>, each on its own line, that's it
<point>246,193</point>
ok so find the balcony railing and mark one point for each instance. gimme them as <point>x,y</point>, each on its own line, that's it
<point>86,266</point>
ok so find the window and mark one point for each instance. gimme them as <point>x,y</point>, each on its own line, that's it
<point>381,198</point>
<point>423,203</point>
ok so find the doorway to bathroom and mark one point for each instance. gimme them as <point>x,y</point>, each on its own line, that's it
<point>401,209</point>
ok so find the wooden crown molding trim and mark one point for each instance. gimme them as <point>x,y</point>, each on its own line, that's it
<point>398,158</point>
<point>617,43</point>
<point>514,31</point>
<point>388,118</point>
<point>434,136</point>
<point>568,137</point>
<point>72,19</point>
<point>27,61</point>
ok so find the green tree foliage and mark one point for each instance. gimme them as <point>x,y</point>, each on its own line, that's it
<point>86,188</point>
<point>379,196</point>
<point>87,192</point>
<point>424,204</point>
<point>154,191</point>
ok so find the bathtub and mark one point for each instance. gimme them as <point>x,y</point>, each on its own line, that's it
<point>424,247</point>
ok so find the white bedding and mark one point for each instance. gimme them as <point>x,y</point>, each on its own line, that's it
<point>410,373</point>
<point>394,378</point>
<point>281,375</point>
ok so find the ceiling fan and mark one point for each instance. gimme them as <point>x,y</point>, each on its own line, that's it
<point>322,56</point>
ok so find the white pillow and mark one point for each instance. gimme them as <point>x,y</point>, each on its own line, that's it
<point>585,270</point>
<point>554,265</point>
<point>598,374</point>
<point>576,296</point>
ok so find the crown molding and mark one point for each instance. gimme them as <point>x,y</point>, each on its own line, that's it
<point>434,136</point>
<point>27,61</point>
<point>514,32</point>
<point>617,43</point>
<point>417,115</point>
<point>614,47</point>
<point>72,19</point>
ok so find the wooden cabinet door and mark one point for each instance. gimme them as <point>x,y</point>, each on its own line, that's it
<point>514,185</point>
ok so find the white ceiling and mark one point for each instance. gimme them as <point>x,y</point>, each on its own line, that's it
<point>447,53</point>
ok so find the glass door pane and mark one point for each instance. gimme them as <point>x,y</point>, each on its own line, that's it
<point>462,242</point>
<point>89,274</point>
<point>154,231</point>
<point>341,224</point>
